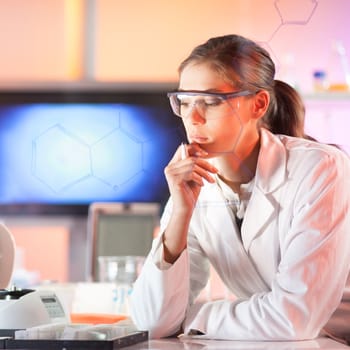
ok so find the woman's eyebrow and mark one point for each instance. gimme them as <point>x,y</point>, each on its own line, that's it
<point>208,91</point>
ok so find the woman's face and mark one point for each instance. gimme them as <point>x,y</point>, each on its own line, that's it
<point>218,127</point>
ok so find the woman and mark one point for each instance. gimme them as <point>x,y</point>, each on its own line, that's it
<point>269,212</point>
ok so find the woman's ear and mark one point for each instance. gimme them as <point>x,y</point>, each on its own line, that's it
<point>261,103</point>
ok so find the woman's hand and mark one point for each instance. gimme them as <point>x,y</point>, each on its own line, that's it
<point>185,175</point>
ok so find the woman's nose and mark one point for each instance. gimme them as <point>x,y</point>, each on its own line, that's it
<point>195,115</point>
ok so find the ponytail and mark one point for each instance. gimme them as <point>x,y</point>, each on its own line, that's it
<point>286,113</point>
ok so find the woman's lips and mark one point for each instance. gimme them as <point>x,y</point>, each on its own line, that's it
<point>198,139</point>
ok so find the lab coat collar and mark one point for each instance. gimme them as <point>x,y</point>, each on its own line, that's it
<point>271,170</point>
<point>271,173</point>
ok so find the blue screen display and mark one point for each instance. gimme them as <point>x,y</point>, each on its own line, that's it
<point>78,153</point>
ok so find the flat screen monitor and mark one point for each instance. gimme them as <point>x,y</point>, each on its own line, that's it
<point>62,150</point>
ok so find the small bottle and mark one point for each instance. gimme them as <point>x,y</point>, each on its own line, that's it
<point>319,81</point>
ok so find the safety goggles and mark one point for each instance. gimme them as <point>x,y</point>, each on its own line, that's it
<point>208,104</point>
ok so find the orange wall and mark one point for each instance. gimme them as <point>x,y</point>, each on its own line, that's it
<point>45,250</point>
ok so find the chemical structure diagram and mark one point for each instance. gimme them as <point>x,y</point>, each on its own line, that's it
<point>289,13</point>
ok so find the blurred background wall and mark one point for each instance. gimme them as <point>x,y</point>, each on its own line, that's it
<point>144,41</point>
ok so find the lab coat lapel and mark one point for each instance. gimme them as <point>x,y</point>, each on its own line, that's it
<point>217,213</point>
<point>271,173</point>
<point>256,217</point>
<point>242,270</point>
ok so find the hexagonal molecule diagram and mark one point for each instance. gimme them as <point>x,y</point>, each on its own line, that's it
<point>60,159</point>
<point>291,12</point>
<point>117,158</point>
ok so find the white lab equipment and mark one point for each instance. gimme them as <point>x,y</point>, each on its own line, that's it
<point>29,308</point>
<point>7,256</point>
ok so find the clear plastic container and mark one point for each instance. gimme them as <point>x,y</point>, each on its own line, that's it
<point>338,72</point>
<point>119,269</point>
<point>122,271</point>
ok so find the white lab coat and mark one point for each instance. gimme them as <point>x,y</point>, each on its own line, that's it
<point>288,271</point>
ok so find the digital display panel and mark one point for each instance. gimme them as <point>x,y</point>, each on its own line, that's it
<point>67,151</point>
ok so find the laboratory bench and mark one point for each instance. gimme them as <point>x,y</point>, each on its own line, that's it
<point>198,344</point>
<point>191,343</point>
